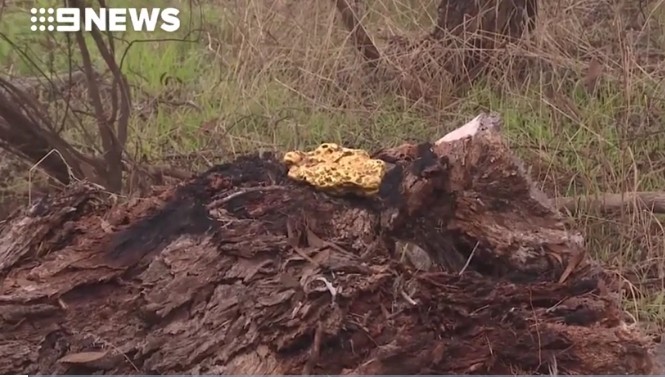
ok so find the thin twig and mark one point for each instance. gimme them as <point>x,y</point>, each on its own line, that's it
<point>468,260</point>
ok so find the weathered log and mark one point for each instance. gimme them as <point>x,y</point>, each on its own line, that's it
<point>242,271</point>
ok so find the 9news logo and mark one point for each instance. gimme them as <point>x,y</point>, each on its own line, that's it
<point>105,19</point>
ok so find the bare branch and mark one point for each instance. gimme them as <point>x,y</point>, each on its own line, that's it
<point>608,202</point>
<point>360,37</point>
<point>58,82</point>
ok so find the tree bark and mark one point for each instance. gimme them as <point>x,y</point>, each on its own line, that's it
<point>242,271</point>
<point>488,19</point>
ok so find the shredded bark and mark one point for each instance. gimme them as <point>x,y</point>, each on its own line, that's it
<point>242,271</point>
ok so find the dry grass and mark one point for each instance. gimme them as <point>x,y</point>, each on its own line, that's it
<point>585,112</point>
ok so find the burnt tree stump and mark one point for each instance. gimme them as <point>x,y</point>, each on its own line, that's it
<point>242,271</point>
<point>467,42</point>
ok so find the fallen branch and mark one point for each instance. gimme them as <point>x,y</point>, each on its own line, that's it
<point>27,132</point>
<point>56,83</point>
<point>608,202</point>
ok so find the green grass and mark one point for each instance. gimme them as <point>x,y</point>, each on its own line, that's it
<point>259,74</point>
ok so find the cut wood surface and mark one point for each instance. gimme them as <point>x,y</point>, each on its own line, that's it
<point>243,271</point>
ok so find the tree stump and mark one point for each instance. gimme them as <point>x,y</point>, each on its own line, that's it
<point>242,271</point>
<point>468,41</point>
<point>488,19</point>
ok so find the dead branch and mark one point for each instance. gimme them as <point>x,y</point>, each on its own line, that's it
<point>110,143</point>
<point>57,83</point>
<point>27,132</point>
<point>608,202</point>
<point>361,39</point>
<point>119,112</point>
